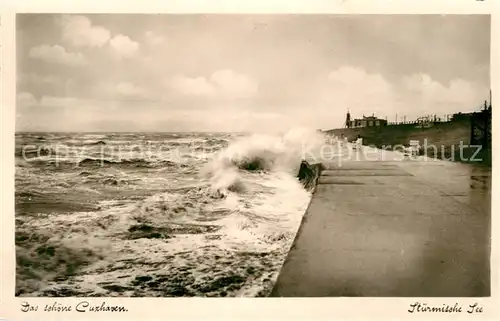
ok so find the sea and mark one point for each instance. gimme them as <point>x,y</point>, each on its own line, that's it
<point>156,214</point>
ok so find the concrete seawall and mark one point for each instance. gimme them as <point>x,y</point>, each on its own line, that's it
<point>388,227</point>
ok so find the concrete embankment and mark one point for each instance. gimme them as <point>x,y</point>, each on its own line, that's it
<point>388,227</point>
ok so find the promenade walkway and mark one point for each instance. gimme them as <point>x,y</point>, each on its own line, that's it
<point>382,225</point>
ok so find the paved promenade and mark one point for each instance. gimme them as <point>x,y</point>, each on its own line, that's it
<point>382,225</point>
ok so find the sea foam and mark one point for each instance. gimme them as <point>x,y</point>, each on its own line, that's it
<point>261,152</point>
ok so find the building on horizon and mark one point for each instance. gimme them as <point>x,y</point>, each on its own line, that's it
<point>366,121</point>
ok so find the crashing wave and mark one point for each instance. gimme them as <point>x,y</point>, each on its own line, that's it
<point>260,152</point>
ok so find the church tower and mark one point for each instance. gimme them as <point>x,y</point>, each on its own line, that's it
<point>348,120</point>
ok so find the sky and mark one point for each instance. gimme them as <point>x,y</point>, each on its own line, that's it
<point>260,73</point>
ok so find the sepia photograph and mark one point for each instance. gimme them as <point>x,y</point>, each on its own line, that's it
<point>253,155</point>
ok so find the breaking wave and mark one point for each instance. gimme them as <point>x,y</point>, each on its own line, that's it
<point>260,152</point>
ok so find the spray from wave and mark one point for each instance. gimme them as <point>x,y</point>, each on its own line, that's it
<point>259,152</point>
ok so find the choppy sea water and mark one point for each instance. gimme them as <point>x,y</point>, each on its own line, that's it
<point>155,214</point>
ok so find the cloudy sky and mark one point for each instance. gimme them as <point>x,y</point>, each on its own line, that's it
<point>244,72</point>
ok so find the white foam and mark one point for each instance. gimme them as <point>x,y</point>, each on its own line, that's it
<point>265,152</point>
